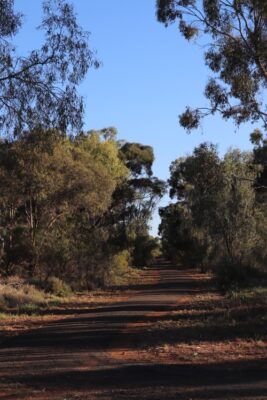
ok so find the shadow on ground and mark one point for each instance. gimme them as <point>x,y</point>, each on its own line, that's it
<point>238,379</point>
<point>71,354</point>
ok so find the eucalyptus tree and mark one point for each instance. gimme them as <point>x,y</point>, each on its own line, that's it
<point>47,181</point>
<point>216,213</point>
<point>260,160</point>
<point>39,89</point>
<point>236,31</point>
<point>182,241</point>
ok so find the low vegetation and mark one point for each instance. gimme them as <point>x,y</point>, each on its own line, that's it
<point>19,296</point>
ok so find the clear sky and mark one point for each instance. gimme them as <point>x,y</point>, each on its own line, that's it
<point>149,74</point>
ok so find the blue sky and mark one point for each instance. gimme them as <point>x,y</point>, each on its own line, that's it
<point>149,74</point>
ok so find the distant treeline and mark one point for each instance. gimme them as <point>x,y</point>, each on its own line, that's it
<point>219,220</point>
<point>75,208</point>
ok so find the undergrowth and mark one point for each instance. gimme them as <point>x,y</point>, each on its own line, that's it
<point>19,296</point>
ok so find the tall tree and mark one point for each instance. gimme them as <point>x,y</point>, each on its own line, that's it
<point>46,182</point>
<point>182,241</point>
<point>142,190</point>
<point>216,201</point>
<point>237,55</point>
<point>260,159</point>
<point>40,89</point>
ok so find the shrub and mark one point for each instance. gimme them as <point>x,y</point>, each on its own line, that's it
<point>57,287</point>
<point>17,297</point>
<point>146,250</point>
<point>235,274</point>
<point>121,262</point>
<point>119,266</point>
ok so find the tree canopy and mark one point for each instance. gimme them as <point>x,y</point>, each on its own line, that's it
<point>219,217</point>
<point>236,55</point>
<point>40,88</point>
<point>71,207</point>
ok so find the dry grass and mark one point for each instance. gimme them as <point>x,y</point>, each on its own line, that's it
<point>15,294</point>
<point>13,321</point>
<point>129,276</point>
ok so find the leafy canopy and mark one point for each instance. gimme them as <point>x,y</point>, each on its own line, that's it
<point>40,89</point>
<point>236,55</point>
<point>216,206</point>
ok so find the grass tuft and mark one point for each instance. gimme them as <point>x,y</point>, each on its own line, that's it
<point>15,294</point>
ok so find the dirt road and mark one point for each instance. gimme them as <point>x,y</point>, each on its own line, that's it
<point>123,350</point>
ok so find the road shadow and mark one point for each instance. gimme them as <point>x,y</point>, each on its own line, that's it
<point>70,354</point>
<point>239,378</point>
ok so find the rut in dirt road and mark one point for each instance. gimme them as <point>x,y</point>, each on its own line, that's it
<point>98,353</point>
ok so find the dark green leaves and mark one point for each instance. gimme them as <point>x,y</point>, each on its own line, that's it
<point>237,55</point>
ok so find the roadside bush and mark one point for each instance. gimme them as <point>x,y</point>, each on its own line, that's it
<point>146,250</point>
<point>121,262</point>
<point>18,296</point>
<point>119,266</point>
<point>234,275</point>
<point>57,287</point>
<point>52,285</point>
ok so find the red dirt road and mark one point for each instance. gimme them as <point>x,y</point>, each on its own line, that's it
<point>115,352</point>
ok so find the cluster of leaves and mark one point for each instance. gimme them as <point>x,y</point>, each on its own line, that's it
<point>236,55</point>
<point>220,215</point>
<point>68,205</point>
<point>40,89</point>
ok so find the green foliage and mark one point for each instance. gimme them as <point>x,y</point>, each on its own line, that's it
<point>217,221</point>
<point>121,261</point>
<point>145,251</point>
<point>260,161</point>
<point>133,202</point>
<point>119,267</point>
<point>40,88</point>
<point>18,294</point>
<point>46,180</point>
<point>137,157</point>
<point>232,276</point>
<point>57,287</point>
<point>182,242</point>
<point>69,205</point>
<point>236,55</point>
<point>252,295</point>
<point>120,272</point>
